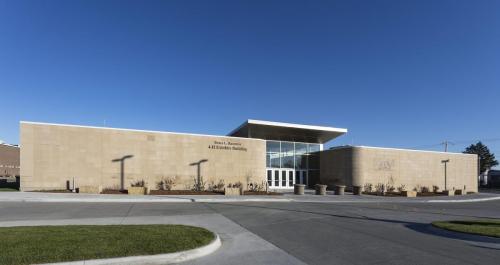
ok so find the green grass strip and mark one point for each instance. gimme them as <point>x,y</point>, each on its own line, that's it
<point>7,189</point>
<point>45,244</point>
<point>478,227</point>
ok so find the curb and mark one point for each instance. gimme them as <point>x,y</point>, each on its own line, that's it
<point>401,201</point>
<point>467,200</point>
<point>69,200</point>
<point>242,200</point>
<point>100,200</point>
<point>153,259</point>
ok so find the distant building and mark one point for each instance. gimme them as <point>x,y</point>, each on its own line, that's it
<point>493,179</point>
<point>9,160</point>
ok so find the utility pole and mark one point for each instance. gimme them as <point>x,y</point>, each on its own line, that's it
<point>446,143</point>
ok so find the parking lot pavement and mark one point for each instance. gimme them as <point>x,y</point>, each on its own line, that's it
<point>295,232</point>
<point>369,233</point>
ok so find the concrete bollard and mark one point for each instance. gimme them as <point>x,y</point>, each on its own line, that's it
<point>320,189</point>
<point>356,190</point>
<point>339,190</point>
<point>298,189</point>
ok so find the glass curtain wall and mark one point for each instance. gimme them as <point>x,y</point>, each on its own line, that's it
<point>281,154</point>
<point>293,155</point>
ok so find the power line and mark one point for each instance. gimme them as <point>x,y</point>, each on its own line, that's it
<point>447,142</point>
<point>425,146</point>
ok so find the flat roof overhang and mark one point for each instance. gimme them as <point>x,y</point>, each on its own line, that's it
<point>281,131</point>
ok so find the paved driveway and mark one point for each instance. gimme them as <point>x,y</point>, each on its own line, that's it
<point>294,232</point>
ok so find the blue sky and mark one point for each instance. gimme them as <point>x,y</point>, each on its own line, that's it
<point>395,73</point>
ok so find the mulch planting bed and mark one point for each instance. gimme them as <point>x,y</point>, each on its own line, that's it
<point>426,194</point>
<point>184,192</point>
<point>397,194</point>
<point>54,191</point>
<point>114,192</point>
<point>261,193</point>
<point>387,194</point>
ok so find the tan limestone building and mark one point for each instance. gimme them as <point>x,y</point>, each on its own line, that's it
<point>272,154</point>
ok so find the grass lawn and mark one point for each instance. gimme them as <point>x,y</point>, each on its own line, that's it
<point>44,244</point>
<point>479,227</point>
<point>7,189</point>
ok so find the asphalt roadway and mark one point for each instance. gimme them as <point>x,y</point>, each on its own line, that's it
<point>311,233</point>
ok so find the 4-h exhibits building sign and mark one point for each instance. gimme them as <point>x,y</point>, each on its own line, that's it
<point>273,154</point>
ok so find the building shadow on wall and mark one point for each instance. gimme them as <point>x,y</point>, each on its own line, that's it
<point>122,169</point>
<point>198,181</point>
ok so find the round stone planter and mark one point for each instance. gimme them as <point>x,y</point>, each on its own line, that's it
<point>356,190</point>
<point>339,190</point>
<point>298,189</point>
<point>320,189</point>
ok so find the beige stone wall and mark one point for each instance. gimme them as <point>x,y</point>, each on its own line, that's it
<point>361,165</point>
<point>53,154</point>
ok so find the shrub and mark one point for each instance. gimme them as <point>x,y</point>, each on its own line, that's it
<point>139,183</point>
<point>380,187</point>
<point>390,185</point>
<point>435,189</point>
<point>219,186</point>
<point>199,184</point>
<point>235,185</point>
<point>368,187</point>
<point>424,189</point>
<point>256,186</point>
<point>401,188</point>
<point>166,184</point>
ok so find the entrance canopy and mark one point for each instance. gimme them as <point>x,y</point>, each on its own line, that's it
<point>281,131</point>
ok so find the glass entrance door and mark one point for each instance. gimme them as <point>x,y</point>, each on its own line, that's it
<point>280,178</point>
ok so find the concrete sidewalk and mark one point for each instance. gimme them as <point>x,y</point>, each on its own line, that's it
<point>80,197</point>
<point>287,197</point>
